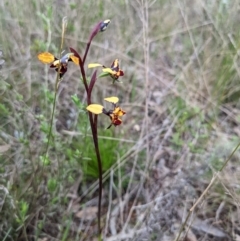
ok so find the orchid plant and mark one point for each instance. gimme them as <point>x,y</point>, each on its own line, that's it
<point>115,114</point>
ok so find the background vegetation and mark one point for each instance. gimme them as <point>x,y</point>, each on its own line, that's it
<point>181,94</point>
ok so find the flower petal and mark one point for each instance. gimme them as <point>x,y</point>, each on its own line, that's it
<point>64,59</point>
<point>76,54</point>
<point>55,64</point>
<point>94,65</point>
<point>120,73</point>
<point>108,70</point>
<point>75,59</point>
<point>95,108</point>
<point>118,111</point>
<point>115,65</point>
<point>112,99</point>
<point>46,57</point>
<point>117,122</point>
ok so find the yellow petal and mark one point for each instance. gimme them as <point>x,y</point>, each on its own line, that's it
<point>46,57</point>
<point>112,99</point>
<point>119,112</point>
<point>56,63</point>
<point>93,65</point>
<point>95,108</point>
<point>75,60</point>
<point>108,70</point>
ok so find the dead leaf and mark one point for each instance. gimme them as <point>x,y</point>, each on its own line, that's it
<point>4,148</point>
<point>88,213</point>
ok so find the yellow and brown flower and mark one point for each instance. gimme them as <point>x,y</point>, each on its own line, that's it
<point>61,64</point>
<point>114,71</point>
<point>114,114</point>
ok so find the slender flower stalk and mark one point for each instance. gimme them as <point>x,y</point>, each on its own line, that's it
<point>92,120</point>
<point>114,72</point>
<point>58,79</point>
<point>100,27</point>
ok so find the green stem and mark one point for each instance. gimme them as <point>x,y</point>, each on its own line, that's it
<point>52,116</point>
<point>64,25</point>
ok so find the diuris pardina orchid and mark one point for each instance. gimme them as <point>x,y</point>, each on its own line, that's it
<point>61,64</point>
<point>114,71</point>
<point>113,114</point>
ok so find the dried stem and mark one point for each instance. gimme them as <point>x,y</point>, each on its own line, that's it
<point>206,190</point>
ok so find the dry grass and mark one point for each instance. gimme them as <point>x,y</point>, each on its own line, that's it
<point>180,91</point>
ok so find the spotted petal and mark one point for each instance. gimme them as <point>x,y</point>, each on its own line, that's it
<point>119,112</point>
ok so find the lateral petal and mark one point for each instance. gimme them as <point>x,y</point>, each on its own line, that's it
<point>46,57</point>
<point>95,108</point>
<point>94,65</point>
<point>112,99</point>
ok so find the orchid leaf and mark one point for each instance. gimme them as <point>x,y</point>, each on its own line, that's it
<point>92,83</point>
<point>103,75</point>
